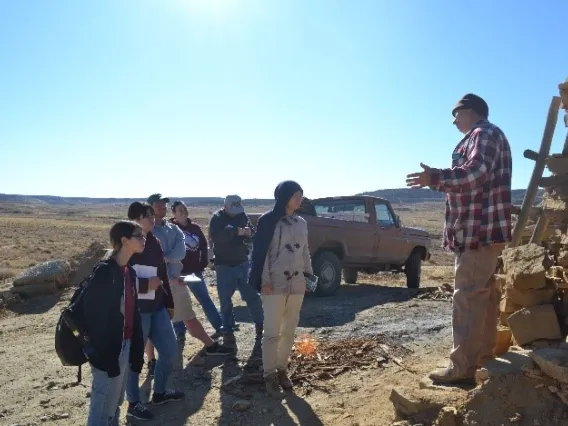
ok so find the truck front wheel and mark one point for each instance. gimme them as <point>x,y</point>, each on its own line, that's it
<point>327,267</point>
<point>412,269</point>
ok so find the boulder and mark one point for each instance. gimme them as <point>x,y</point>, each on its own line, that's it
<point>525,266</point>
<point>512,362</point>
<point>541,296</point>
<point>533,323</point>
<point>553,362</point>
<point>410,405</point>
<point>54,271</point>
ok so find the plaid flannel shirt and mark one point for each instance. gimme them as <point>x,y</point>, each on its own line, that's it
<point>478,190</point>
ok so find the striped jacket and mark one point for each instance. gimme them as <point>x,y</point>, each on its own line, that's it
<point>478,190</point>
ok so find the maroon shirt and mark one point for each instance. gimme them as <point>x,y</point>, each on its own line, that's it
<point>153,255</point>
<point>128,304</point>
<point>196,254</point>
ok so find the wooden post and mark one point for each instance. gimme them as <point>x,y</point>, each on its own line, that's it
<point>532,189</point>
<point>541,225</point>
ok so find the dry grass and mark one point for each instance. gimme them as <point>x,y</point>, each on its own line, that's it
<point>6,273</point>
<point>34,233</point>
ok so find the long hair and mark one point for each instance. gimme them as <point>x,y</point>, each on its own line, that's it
<point>124,228</point>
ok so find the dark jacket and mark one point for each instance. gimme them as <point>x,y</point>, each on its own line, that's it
<point>229,249</point>
<point>265,230</point>
<point>104,321</point>
<point>196,253</point>
<point>153,255</point>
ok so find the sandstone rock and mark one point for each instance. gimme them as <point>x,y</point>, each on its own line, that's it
<point>524,266</point>
<point>553,362</point>
<point>511,362</point>
<point>507,306</point>
<point>448,417</point>
<point>34,290</point>
<point>503,342</point>
<point>529,297</point>
<point>532,323</point>
<point>410,405</point>
<point>54,271</point>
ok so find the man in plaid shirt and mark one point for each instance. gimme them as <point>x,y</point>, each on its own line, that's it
<point>478,225</point>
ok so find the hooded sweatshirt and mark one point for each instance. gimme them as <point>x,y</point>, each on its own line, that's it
<point>266,228</point>
<point>196,252</point>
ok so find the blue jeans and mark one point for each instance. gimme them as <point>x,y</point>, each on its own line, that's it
<point>229,279</point>
<point>158,327</point>
<point>107,394</point>
<point>201,293</point>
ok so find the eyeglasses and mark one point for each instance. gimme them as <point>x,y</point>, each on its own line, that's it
<point>139,236</point>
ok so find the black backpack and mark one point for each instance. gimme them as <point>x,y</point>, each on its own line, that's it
<point>71,340</point>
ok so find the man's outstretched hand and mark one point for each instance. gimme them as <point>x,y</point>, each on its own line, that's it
<point>420,179</point>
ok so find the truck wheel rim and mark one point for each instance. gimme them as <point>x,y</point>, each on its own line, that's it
<point>327,273</point>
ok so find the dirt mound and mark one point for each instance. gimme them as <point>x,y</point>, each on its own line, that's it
<point>514,400</point>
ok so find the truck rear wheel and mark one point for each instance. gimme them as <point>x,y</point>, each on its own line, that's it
<point>327,267</point>
<point>413,269</point>
<point>350,275</point>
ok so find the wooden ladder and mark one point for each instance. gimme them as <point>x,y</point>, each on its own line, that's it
<point>556,104</point>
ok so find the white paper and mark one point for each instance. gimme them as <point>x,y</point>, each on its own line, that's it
<point>191,278</point>
<point>145,271</point>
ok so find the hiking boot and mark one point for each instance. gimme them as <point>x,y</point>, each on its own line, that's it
<point>273,386</point>
<point>284,380</point>
<point>151,367</point>
<point>218,350</point>
<point>167,396</point>
<point>138,411</point>
<point>448,376</point>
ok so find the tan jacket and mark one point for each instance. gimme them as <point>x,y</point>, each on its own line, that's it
<point>288,257</point>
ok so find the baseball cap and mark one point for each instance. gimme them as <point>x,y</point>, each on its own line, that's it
<point>154,198</point>
<point>233,205</point>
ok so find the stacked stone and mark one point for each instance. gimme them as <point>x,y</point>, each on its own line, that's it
<point>529,294</point>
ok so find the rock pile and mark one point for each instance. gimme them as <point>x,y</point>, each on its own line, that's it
<point>531,294</point>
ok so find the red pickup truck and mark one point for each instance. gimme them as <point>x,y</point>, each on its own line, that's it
<point>360,233</point>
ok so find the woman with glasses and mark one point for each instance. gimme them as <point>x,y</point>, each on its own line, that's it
<point>280,263</point>
<point>113,324</point>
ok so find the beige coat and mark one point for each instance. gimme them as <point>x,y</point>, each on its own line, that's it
<point>288,257</point>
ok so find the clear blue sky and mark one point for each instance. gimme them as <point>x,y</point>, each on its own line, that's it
<point>122,98</point>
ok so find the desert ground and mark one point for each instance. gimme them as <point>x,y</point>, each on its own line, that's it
<point>413,331</point>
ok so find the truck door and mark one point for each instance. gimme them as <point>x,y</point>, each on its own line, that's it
<point>391,239</point>
<point>352,227</point>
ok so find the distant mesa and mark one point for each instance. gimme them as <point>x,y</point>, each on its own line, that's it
<point>400,195</point>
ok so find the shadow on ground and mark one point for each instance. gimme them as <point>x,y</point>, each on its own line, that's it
<point>36,305</point>
<point>342,307</point>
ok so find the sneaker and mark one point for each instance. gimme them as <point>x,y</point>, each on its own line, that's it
<point>138,411</point>
<point>151,367</point>
<point>167,396</point>
<point>180,337</point>
<point>218,350</point>
<point>216,336</point>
